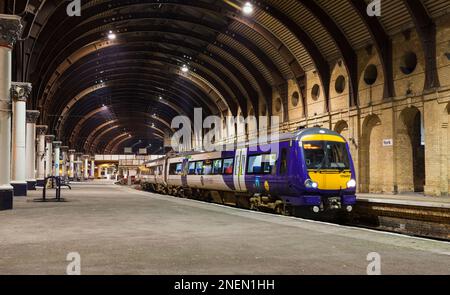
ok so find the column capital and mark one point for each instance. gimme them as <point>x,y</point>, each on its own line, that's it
<point>20,91</point>
<point>57,144</point>
<point>10,29</point>
<point>41,129</point>
<point>72,151</point>
<point>64,148</point>
<point>32,116</point>
<point>49,138</point>
<point>86,157</point>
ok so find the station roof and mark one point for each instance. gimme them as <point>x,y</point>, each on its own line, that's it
<point>121,71</point>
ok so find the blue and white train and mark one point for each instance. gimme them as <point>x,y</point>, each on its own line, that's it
<point>311,168</point>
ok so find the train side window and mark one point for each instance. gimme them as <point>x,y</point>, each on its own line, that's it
<point>228,165</point>
<point>207,167</point>
<point>199,168</point>
<point>255,164</point>
<point>192,168</point>
<point>175,168</point>
<point>217,167</point>
<point>284,161</point>
<point>262,164</point>
<point>270,164</point>
<point>179,169</point>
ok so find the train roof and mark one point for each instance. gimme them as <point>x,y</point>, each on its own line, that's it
<point>316,130</point>
<point>282,137</point>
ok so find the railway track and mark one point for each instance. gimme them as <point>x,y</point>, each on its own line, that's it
<point>412,219</point>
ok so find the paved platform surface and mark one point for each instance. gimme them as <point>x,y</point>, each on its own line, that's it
<point>118,230</point>
<point>412,199</point>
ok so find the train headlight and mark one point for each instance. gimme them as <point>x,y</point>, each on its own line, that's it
<point>311,184</point>
<point>351,184</point>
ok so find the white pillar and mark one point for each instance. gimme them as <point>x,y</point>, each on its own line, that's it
<point>49,155</point>
<point>78,166</point>
<point>86,167</point>
<point>64,150</point>
<point>10,30</point>
<point>20,92</point>
<point>92,176</point>
<point>41,130</point>
<point>32,117</point>
<point>57,158</point>
<point>72,164</point>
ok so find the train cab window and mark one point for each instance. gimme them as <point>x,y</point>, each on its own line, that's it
<point>199,168</point>
<point>314,154</point>
<point>228,165</point>
<point>337,156</point>
<point>217,167</point>
<point>284,161</point>
<point>207,167</point>
<point>191,168</point>
<point>262,164</point>
<point>326,155</point>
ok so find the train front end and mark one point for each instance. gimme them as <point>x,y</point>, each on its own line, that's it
<point>328,171</point>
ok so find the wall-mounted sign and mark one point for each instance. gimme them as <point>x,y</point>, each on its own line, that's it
<point>388,142</point>
<point>128,150</point>
<point>142,151</point>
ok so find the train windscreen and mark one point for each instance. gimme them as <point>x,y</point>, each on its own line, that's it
<point>326,155</point>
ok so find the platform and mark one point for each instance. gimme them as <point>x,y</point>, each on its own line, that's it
<point>118,230</point>
<point>411,199</point>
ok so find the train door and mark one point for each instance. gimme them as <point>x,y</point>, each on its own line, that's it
<point>239,170</point>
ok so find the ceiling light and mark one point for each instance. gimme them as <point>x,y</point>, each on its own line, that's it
<point>184,69</point>
<point>111,35</point>
<point>248,8</point>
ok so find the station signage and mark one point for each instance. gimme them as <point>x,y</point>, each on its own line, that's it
<point>388,142</point>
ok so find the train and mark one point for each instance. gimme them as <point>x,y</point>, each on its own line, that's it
<point>310,169</point>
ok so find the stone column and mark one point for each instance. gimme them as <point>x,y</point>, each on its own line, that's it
<point>20,92</point>
<point>57,158</point>
<point>86,167</point>
<point>10,31</point>
<point>92,174</point>
<point>32,117</point>
<point>72,164</point>
<point>49,155</point>
<point>41,130</point>
<point>78,174</point>
<point>64,150</point>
